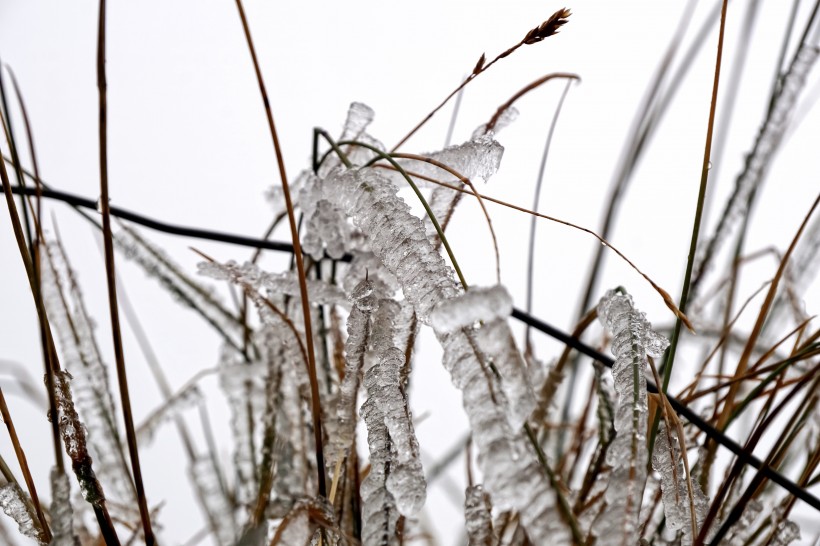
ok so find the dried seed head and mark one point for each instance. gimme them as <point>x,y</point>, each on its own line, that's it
<point>548,27</point>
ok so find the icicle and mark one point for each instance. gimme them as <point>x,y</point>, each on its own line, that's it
<point>478,517</point>
<point>633,339</point>
<point>667,461</point>
<point>492,306</point>
<point>358,332</point>
<point>62,514</point>
<point>379,511</point>
<point>13,505</point>
<point>405,481</point>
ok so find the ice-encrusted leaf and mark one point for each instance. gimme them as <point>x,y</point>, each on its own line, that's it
<point>186,398</point>
<point>668,463</point>
<point>478,517</point>
<point>379,510</point>
<point>491,307</point>
<point>633,339</point>
<point>358,335</point>
<point>405,481</point>
<point>13,505</point>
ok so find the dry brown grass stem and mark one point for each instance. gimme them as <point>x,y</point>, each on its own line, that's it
<point>297,252</point>
<point>743,362</point>
<point>111,279</point>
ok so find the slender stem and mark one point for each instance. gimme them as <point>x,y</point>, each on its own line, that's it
<point>704,177</point>
<point>300,266</point>
<point>111,279</point>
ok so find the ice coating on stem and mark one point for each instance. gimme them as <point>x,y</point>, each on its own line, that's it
<point>478,517</point>
<point>80,356</point>
<point>242,384</point>
<point>62,514</point>
<point>13,505</point>
<point>765,147</point>
<point>186,398</point>
<point>633,339</point>
<point>405,481</point>
<point>73,433</point>
<point>156,263</point>
<point>667,461</point>
<point>396,237</point>
<point>511,473</point>
<point>379,511</point>
<point>491,307</point>
<point>358,335</point>
<point>252,276</point>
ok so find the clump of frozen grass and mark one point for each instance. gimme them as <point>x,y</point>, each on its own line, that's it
<point>374,279</point>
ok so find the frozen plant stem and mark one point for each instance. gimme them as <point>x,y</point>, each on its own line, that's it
<point>297,253</point>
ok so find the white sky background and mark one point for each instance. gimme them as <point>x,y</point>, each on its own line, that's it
<point>188,144</point>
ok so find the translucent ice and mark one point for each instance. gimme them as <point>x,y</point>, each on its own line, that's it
<point>633,337</point>
<point>478,517</point>
<point>12,504</point>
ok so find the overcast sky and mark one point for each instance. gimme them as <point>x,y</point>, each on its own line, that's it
<point>189,145</point>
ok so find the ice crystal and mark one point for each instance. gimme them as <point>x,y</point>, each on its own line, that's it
<point>478,517</point>
<point>633,339</point>
<point>13,505</point>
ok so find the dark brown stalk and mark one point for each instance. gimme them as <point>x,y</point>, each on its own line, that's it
<point>111,279</point>
<point>546,29</point>
<point>21,458</point>
<point>300,266</point>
